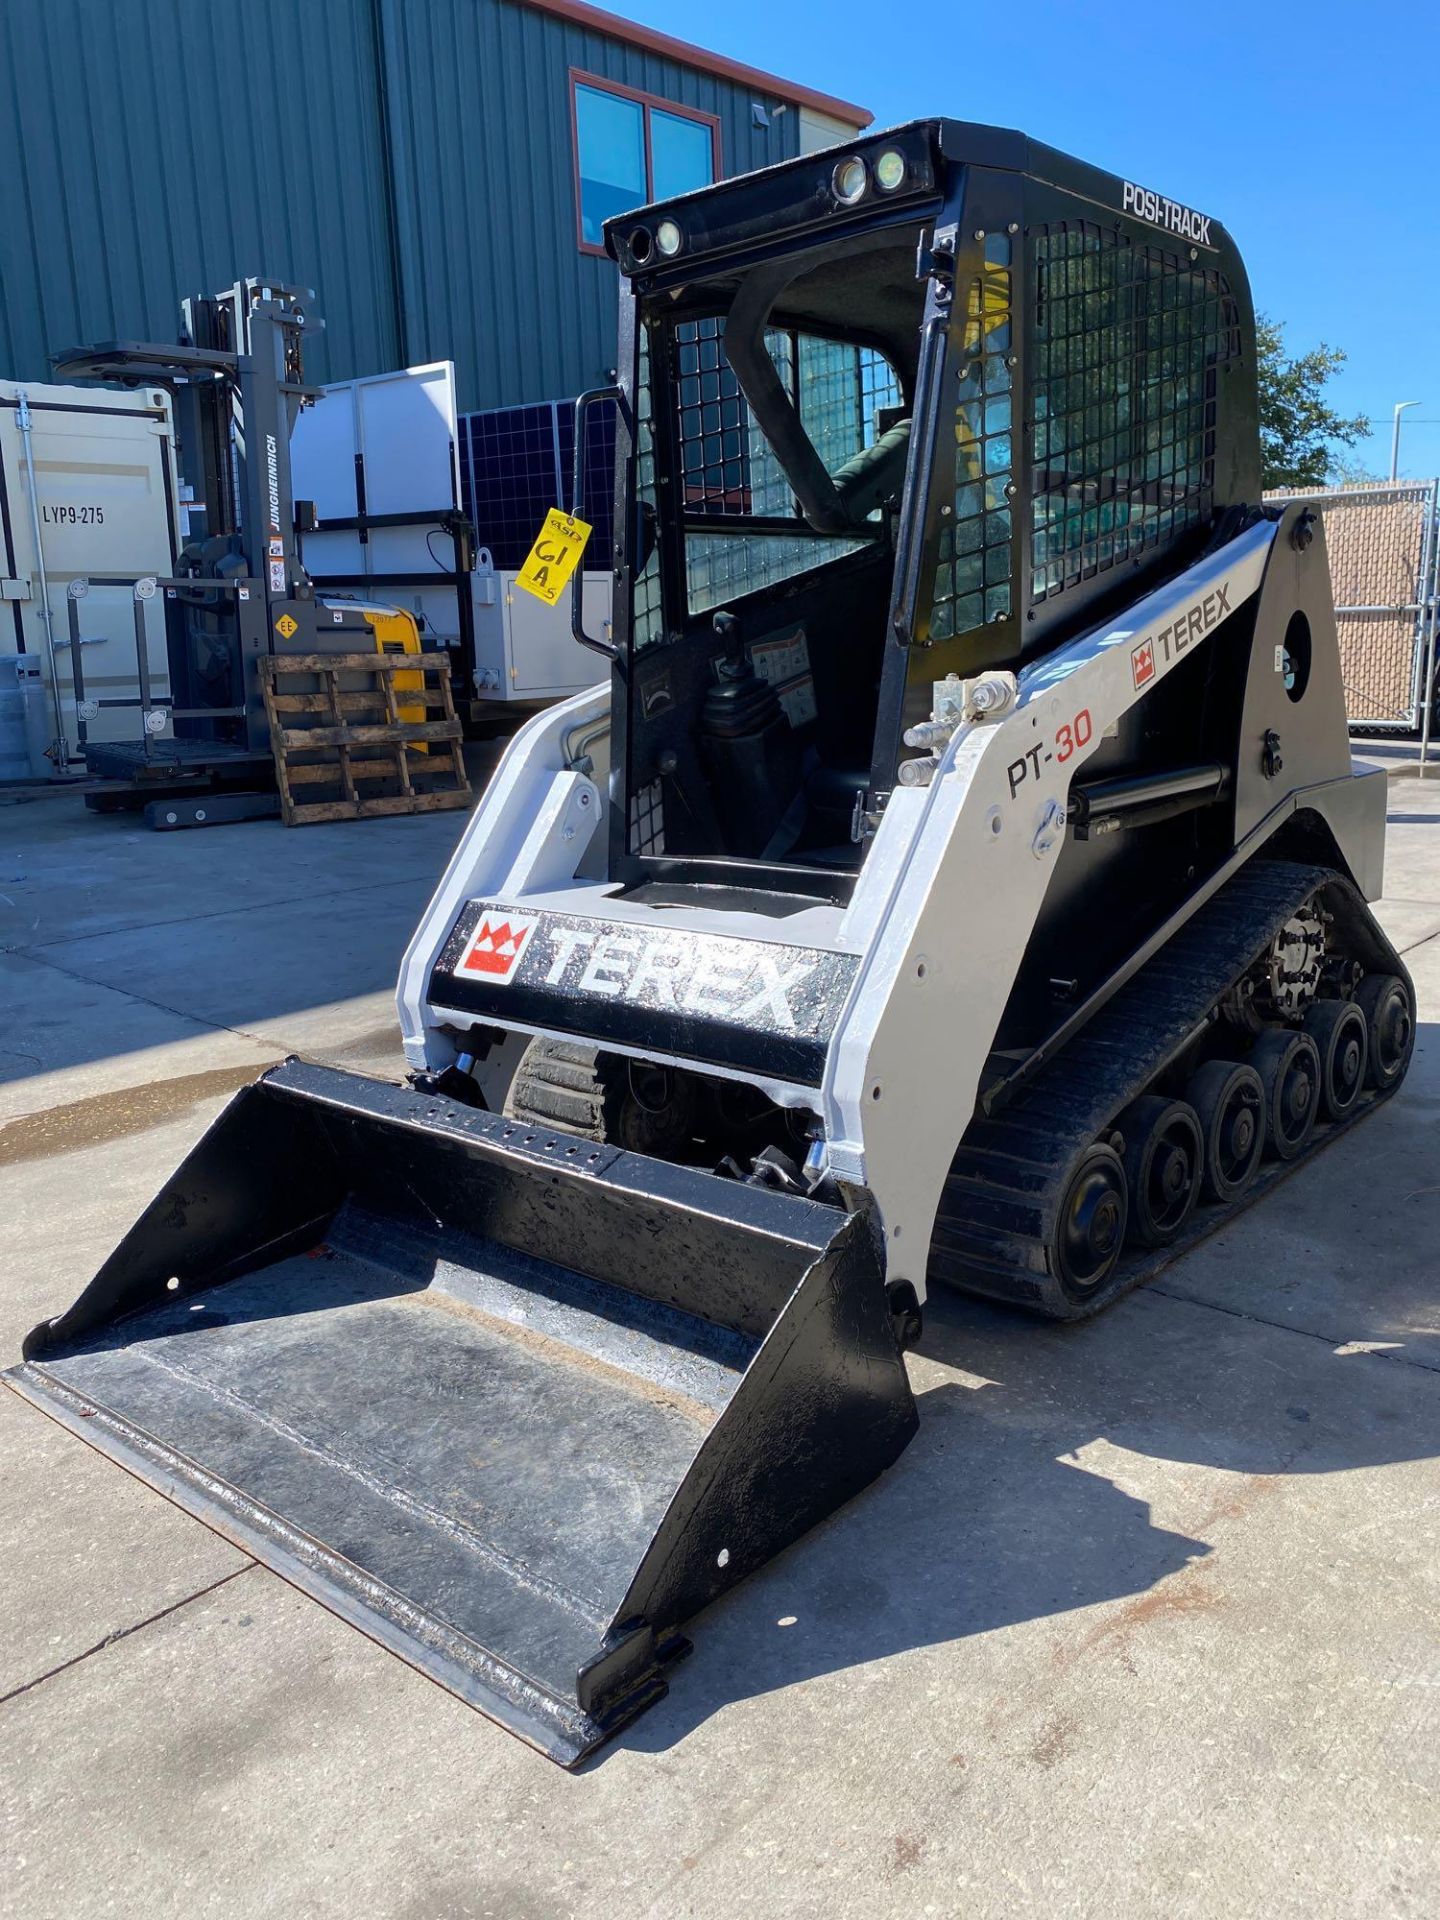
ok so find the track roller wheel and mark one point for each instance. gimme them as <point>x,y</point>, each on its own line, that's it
<point>1164,1166</point>
<point>1229,1104</point>
<point>1288,1064</point>
<point>1342,1034</point>
<point>1089,1229</point>
<point>1384,999</point>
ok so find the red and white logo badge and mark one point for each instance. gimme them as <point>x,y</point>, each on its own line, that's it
<point>494,948</point>
<point>1142,662</point>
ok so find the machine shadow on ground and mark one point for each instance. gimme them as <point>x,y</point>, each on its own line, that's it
<point>1002,1511</point>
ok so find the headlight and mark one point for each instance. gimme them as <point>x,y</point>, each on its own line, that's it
<point>890,170</point>
<point>669,239</point>
<point>850,179</point>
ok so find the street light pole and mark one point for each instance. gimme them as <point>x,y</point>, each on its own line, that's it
<point>1395,438</point>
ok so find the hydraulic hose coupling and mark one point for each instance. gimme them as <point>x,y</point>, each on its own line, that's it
<point>957,703</point>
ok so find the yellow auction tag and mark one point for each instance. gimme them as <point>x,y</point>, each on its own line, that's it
<point>554,556</point>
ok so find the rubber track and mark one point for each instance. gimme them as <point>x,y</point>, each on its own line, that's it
<point>1001,1198</point>
<point>558,1084</point>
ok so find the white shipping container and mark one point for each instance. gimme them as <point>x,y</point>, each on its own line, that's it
<point>105,500</point>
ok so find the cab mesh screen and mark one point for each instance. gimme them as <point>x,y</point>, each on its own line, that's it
<point>972,571</point>
<point>647,620</point>
<point>1125,344</point>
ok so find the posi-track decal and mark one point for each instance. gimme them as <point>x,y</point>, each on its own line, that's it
<point>1169,214</point>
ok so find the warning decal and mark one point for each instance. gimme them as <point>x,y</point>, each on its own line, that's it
<point>554,556</point>
<point>494,948</point>
<point>285,626</point>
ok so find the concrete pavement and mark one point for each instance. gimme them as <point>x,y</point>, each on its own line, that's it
<point>1146,1620</point>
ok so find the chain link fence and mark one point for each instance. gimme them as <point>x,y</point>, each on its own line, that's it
<point>1384,547</point>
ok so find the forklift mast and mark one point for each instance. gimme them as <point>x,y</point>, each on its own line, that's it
<point>262,325</point>
<point>241,590</point>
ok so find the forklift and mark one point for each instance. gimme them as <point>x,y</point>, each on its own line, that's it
<point>240,591</point>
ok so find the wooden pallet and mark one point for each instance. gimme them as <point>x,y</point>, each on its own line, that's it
<point>372,744</point>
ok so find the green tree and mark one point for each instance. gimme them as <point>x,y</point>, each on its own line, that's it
<point>1299,431</point>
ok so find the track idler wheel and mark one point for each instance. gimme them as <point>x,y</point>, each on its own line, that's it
<point>1229,1104</point>
<point>1089,1229</point>
<point>1164,1166</point>
<point>1385,1001</point>
<point>1288,1064</point>
<point>1342,1034</point>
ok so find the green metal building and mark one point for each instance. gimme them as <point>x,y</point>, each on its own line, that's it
<point>435,169</point>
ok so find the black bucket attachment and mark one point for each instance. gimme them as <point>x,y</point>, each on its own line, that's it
<point>516,1405</point>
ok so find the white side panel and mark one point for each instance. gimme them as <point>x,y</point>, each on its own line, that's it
<point>820,130</point>
<point>336,550</point>
<point>105,484</point>
<point>945,913</point>
<point>402,423</point>
<point>417,549</point>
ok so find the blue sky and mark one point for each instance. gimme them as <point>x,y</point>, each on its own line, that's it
<point>1312,132</point>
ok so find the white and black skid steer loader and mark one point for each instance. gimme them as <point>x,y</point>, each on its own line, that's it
<point>961,878</point>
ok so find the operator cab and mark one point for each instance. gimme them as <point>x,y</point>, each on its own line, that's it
<point>774,392</point>
<point>931,404</point>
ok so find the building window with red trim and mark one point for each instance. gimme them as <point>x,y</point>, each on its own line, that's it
<point>631,148</point>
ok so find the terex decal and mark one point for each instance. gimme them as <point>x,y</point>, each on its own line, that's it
<point>1188,627</point>
<point>742,1003</point>
<point>494,948</point>
<point>1155,653</point>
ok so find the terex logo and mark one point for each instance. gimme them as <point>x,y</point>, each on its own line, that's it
<point>761,1004</point>
<point>495,947</point>
<point>734,980</point>
<point>639,970</point>
<point>1170,641</point>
